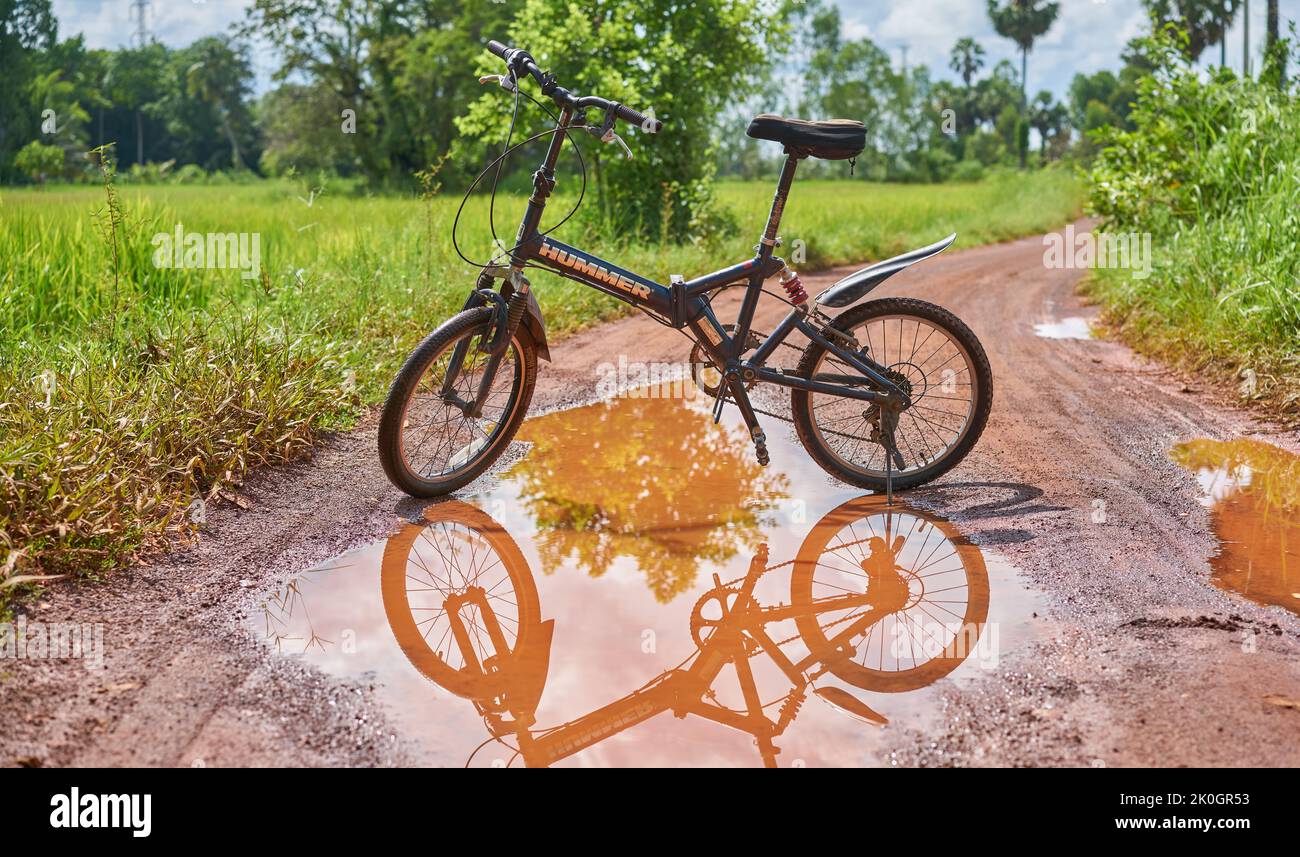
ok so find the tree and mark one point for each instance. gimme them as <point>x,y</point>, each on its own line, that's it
<point>1023,21</point>
<point>220,76</point>
<point>1049,118</point>
<point>300,125</point>
<point>687,62</point>
<point>1204,21</point>
<point>135,81</point>
<point>404,68</point>
<point>966,59</point>
<point>1274,52</point>
<point>848,79</point>
<point>40,160</point>
<point>27,27</point>
<point>1224,11</point>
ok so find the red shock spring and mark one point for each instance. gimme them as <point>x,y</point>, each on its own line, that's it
<point>794,288</point>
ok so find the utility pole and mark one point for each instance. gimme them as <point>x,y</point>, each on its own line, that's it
<point>903,49</point>
<point>1245,41</point>
<point>140,11</point>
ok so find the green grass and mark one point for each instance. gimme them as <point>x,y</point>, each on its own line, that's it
<point>1212,172</point>
<point>127,392</point>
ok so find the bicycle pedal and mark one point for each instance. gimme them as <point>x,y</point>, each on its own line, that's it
<point>763,458</point>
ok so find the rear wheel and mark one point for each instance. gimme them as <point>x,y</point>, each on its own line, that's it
<point>910,593</point>
<point>428,445</point>
<point>935,358</point>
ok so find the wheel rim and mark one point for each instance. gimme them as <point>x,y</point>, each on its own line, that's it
<point>945,389</point>
<point>437,439</point>
<point>460,547</point>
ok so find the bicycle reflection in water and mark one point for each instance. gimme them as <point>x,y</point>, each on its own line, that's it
<point>885,599</point>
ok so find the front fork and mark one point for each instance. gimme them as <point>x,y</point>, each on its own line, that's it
<point>508,314</point>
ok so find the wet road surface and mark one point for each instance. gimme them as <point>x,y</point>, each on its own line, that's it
<point>637,549</point>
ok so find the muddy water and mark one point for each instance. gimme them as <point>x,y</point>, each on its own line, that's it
<point>1253,491</point>
<point>637,562</point>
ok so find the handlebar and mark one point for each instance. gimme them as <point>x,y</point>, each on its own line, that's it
<point>521,61</point>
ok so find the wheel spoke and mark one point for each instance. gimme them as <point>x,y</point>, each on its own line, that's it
<point>941,389</point>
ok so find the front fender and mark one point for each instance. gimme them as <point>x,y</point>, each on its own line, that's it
<point>537,327</point>
<point>532,319</point>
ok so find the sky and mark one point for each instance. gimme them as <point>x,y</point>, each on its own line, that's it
<point>1087,37</point>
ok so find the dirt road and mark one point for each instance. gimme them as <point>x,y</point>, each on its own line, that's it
<point>1145,661</point>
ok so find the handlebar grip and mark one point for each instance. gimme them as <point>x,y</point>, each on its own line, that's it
<point>635,117</point>
<point>497,48</point>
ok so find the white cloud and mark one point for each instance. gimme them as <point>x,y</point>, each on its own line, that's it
<point>1088,36</point>
<point>111,23</point>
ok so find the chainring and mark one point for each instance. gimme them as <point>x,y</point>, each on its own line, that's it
<point>703,368</point>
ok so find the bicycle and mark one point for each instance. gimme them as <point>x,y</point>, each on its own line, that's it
<point>891,393</point>
<point>885,598</point>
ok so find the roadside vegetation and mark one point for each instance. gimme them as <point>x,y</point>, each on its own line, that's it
<point>1212,172</point>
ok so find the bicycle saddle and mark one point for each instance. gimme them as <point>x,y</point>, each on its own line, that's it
<point>833,140</point>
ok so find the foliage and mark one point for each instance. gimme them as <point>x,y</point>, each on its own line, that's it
<point>683,63</point>
<point>1204,22</point>
<point>1212,171</point>
<point>39,160</point>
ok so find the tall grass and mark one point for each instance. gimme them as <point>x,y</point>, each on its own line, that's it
<point>128,391</point>
<point>1213,173</point>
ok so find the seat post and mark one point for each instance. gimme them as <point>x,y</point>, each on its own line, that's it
<point>768,242</point>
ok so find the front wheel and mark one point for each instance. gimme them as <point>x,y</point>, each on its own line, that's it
<point>934,358</point>
<point>429,444</point>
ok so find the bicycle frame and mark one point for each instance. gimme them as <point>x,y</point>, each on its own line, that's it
<point>684,304</point>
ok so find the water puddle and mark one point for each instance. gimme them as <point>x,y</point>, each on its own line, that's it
<point>1068,328</point>
<point>637,564</point>
<point>1253,491</point>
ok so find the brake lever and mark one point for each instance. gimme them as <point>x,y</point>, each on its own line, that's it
<point>500,79</point>
<point>610,137</point>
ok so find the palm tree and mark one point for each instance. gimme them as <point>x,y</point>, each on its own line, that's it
<point>1205,21</point>
<point>1023,21</point>
<point>966,59</point>
<point>1224,12</point>
<point>1049,118</point>
<point>215,79</point>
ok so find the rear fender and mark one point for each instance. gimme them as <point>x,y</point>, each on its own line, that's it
<point>855,287</point>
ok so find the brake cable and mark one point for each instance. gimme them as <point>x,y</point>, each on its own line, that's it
<point>498,163</point>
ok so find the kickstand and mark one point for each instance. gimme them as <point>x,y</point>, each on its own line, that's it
<point>719,403</point>
<point>887,425</point>
<point>889,478</point>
